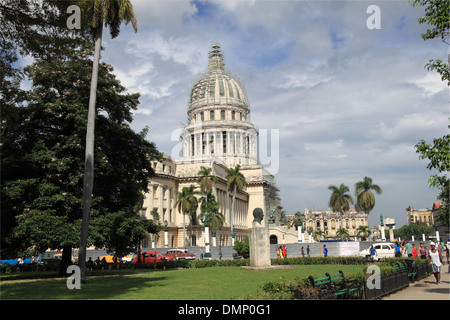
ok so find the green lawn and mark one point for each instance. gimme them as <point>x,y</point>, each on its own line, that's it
<point>185,284</point>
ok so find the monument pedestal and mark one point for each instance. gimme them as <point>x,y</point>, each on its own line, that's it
<point>259,247</point>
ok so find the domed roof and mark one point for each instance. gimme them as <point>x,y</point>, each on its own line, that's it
<point>217,86</point>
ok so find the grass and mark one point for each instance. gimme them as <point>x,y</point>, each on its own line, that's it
<point>213,283</point>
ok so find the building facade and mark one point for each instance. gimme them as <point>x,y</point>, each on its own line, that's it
<point>330,222</point>
<point>419,215</point>
<point>219,135</point>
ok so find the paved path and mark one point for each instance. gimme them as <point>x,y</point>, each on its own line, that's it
<point>426,289</point>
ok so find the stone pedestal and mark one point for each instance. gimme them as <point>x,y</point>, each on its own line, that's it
<point>259,246</point>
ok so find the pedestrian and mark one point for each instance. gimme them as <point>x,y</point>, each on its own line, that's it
<point>414,251</point>
<point>423,251</point>
<point>447,249</point>
<point>325,251</point>
<point>303,252</point>
<point>220,252</point>
<point>409,248</point>
<point>308,251</point>
<point>201,253</point>
<point>283,249</point>
<point>436,261</point>
<point>403,250</point>
<point>397,250</point>
<point>373,254</point>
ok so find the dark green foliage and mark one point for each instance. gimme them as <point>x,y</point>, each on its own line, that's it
<point>242,248</point>
<point>43,158</point>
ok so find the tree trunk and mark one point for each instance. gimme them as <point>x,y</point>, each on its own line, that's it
<point>232,214</point>
<point>89,157</point>
<point>184,230</point>
<point>66,260</point>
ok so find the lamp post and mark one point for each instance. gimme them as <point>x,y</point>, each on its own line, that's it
<point>299,228</point>
<point>233,235</point>
<point>309,229</point>
<point>166,235</point>
<point>435,225</point>
<point>206,220</point>
<point>214,231</point>
<point>383,234</point>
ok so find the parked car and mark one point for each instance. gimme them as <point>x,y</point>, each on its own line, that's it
<point>110,259</point>
<point>383,250</point>
<point>152,257</point>
<point>12,262</point>
<point>180,254</point>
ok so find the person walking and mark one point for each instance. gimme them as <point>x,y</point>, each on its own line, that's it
<point>397,250</point>
<point>201,253</point>
<point>308,251</point>
<point>409,248</point>
<point>423,251</point>
<point>414,251</point>
<point>220,252</point>
<point>436,261</point>
<point>373,254</point>
<point>303,252</point>
<point>325,251</point>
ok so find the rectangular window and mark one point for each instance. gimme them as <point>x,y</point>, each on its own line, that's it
<point>222,114</point>
<point>211,115</point>
<point>224,141</point>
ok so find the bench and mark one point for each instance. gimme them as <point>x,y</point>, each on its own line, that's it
<point>334,286</point>
<point>401,267</point>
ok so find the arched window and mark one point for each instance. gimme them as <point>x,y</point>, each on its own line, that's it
<point>222,114</point>
<point>211,115</point>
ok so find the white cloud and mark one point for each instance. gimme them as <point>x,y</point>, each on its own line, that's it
<point>348,101</point>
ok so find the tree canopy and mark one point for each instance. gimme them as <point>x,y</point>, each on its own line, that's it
<point>42,155</point>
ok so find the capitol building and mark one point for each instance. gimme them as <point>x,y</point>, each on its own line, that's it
<point>219,135</point>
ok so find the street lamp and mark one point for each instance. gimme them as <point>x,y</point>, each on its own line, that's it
<point>166,235</point>
<point>233,235</point>
<point>214,231</point>
<point>299,228</point>
<point>309,229</point>
<point>206,220</point>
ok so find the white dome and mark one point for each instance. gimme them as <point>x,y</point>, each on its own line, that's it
<point>217,86</point>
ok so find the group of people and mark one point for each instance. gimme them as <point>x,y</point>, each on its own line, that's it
<point>282,252</point>
<point>434,254</point>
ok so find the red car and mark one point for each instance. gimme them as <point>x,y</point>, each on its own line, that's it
<point>151,257</point>
<point>179,254</point>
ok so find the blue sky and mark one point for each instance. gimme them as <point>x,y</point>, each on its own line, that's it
<point>348,102</point>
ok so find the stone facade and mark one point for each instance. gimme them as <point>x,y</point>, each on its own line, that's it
<point>219,135</point>
<point>329,222</point>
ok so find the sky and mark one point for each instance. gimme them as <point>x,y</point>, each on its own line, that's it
<point>347,101</point>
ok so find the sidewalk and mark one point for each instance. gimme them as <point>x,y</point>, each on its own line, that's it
<point>425,289</point>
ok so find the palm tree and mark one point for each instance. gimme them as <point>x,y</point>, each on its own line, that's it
<point>318,234</point>
<point>340,201</point>
<point>208,203</point>
<point>342,233</point>
<point>235,182</point>
<point>110,13</point>
<point>365,199</point>
<point>186,203</point>
<point>363,232</point>
<point>206,180</point>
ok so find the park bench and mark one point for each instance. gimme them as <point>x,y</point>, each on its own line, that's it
<point>402,267</point>
<point>335,286</point>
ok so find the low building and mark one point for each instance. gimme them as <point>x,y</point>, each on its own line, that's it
<point>330,222</point>
<point>419,215</point>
